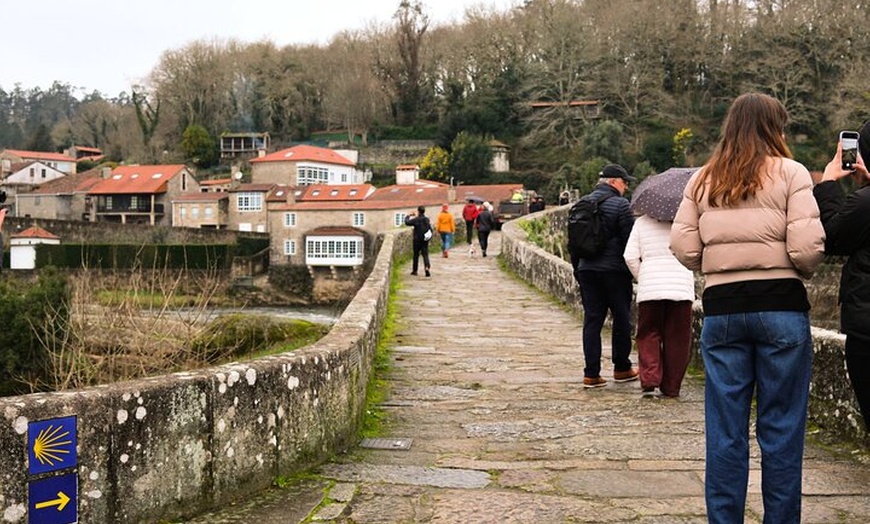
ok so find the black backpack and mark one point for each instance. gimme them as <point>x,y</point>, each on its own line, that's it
<point>586,237</point>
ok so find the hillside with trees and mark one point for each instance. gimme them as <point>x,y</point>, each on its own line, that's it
<point>662,73</point>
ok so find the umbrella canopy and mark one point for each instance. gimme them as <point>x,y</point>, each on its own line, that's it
<point>659,196</point>
<point>475,200</point>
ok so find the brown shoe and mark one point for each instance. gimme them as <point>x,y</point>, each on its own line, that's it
<point>625,376</point>
<point>594,382</point>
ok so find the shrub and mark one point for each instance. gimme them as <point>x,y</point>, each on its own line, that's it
<point>31,315</point>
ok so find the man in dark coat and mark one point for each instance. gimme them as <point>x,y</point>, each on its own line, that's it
<point>847,233</point>
<point>421,225</point>
<point>605,282</point>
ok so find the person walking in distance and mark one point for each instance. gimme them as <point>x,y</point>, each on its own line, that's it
<point>469,214</point>
<point>749,222</point>
<point>665,292</point>
<point>846,219</point>
<point>422,234</point>
<point>446,226</point>
<point>485,223</point>
<point>605,282</point>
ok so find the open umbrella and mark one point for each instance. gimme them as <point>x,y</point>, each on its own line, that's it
<point>659,196</point>
<point>474,200</point>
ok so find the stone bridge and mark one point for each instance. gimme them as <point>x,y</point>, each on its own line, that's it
<point>487,421</point>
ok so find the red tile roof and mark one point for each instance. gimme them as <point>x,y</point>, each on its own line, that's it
<point>215,181</point>
<point>255,188</point>
<point>406,196</point>
<point>332,231</point>
<point>41,155</point>
<point>303,153</point>
<point>66,185</point>
<point>137,180</point>
<point>35,232</point>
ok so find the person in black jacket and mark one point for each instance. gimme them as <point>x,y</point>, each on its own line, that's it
<point>421,225</point>
<point>485,222</point>
<point>605,282</point>
<point>847,229</point>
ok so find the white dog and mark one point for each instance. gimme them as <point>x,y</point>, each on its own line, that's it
<point>471,251</point>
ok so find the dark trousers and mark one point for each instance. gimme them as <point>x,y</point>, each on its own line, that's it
<point>664,338</point>
<point>483,238</point>
<point>421,247</point>
<point>858,365</point>
<point>600,292</point>
<point>469,231</point>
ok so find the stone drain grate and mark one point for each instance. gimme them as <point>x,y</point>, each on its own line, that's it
<point>386,443</point>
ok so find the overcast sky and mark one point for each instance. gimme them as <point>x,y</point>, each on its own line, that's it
<point>109,45</point>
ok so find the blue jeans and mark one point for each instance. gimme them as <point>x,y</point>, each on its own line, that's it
<point>446,241</point>
<point>768,353</point>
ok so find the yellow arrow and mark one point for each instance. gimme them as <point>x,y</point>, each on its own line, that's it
<point>61,502</point>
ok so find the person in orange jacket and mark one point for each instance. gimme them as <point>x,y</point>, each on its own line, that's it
<point>445,224</point>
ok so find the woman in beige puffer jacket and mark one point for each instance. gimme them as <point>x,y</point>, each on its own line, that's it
<point>749,222</point>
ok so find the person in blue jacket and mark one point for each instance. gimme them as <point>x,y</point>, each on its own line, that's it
<point>605,282</point>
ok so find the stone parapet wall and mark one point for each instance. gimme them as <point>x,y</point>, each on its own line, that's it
<point>832,402</point>
<point>169,446</point>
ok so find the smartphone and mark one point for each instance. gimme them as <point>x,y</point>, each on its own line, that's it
<point>849,140</point>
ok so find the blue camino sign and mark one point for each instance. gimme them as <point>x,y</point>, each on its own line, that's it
<point>51,445</point>
<point>53,500</point>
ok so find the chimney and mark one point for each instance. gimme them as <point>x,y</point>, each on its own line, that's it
<point>291,194</point>
<point>105,172</point>
<point>261,152</point>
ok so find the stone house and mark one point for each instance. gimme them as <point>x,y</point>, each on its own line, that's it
<point>204,210</point>
<point>305,165</point>
<point>247,207</point>
<point>140,194</point>
<point>64,198</point>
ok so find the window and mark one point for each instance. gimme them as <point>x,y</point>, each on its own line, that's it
<point>184,181</point>
<point>399,219</point>
<point>32,172</point>
<point>334,251</point>
<point>209,212</point>
<point>359,219</point>
<point>194,212</point>
<point>289,247</point>
<point>289,219</point>
<point>344,178</point>
<point>183,212</point>
<point>308,175</point>
<point>247,202</point>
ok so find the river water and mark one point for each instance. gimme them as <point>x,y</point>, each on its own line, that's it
<point>318,315</point>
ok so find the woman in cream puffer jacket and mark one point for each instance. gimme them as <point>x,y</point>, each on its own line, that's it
<point>665,292</point>
<point>749,222</point>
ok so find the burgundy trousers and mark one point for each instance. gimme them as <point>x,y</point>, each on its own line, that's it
<point>664,337</point>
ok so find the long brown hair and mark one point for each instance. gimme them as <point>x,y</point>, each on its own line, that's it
<point>752,132</point>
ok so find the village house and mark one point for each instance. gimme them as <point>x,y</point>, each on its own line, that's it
<point>315,225</point>
<point>304,165</point>
<point>24,177</point>
<point>63,163</point>
<point>201,210</point>
<point>64,198</point>
<point>140,194</point>
<point>234,145</point>
<point>247,207</point>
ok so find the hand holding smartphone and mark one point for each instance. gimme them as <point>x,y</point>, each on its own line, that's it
<point>849,149</point>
